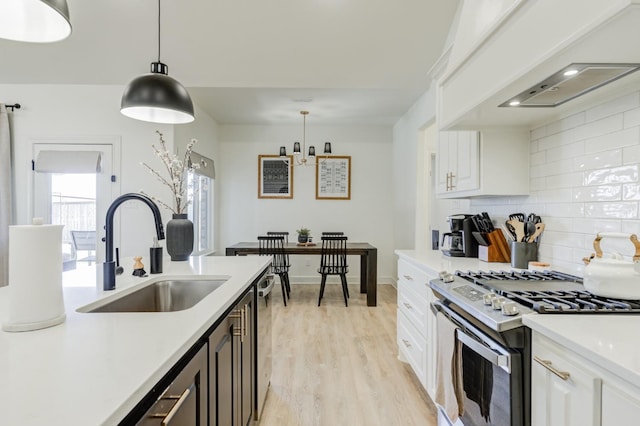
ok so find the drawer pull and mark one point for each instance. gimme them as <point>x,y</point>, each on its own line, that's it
<point>167,417</point>
<point>406,343</point>
<point>408,277</point>
<point>549,366</point>
<point>408,305</point>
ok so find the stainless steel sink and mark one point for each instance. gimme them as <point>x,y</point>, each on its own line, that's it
<point>162,296</point>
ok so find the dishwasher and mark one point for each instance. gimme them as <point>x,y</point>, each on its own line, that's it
<point>263,362</point>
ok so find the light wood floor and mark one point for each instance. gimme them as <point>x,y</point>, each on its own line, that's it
<point>336,365</point>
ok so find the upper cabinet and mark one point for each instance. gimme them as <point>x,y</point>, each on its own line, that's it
<point>522,43</point>
<point>474,164</point>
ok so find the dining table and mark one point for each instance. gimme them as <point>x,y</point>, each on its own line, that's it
<point>368,261</point>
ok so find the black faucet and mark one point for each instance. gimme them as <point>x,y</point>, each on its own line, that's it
<point>109,266</point>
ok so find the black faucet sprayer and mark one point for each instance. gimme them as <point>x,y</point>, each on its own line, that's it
<point>109,266</point>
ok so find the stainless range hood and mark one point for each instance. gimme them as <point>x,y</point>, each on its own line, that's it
<point>569,83</point>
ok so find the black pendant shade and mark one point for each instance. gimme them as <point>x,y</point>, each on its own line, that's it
<point>36,21</point>
<point>157,98</point>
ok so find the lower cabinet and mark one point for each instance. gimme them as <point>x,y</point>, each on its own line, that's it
<point>213,384</point>
<point>184,402</point>
<point>231,367</point>
<point>564,391</point>
<point>416,337</point>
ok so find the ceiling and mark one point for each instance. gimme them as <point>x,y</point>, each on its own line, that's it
<point>253,61</point>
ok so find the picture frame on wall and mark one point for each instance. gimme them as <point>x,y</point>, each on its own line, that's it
<point>333,178</point>
<point>275,177</point>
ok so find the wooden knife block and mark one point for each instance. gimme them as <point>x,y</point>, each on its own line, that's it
<point>498,251</point>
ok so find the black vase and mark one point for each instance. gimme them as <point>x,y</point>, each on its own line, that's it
<point>303,238</point>
<point>179,237</point>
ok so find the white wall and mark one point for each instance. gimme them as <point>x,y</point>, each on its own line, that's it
<point>79,113</point>
<point>366,217</point>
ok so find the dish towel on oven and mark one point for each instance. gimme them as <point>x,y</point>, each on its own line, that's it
<point>448,369</point>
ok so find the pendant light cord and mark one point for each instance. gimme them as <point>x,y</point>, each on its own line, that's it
<point>158,30</point>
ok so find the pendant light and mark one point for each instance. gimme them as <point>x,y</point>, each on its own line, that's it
<point>299,155</point>
<point>156,97</point>
<point>35,21</point>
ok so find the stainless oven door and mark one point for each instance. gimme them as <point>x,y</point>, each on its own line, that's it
<point>265,343</point>
<point>491,376</point>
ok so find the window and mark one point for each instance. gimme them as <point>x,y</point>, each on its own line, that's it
<point>200,211</point>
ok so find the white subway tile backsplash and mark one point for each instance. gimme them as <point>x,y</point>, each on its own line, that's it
<point>631,191</point>
<point>562,210</point>
<point>599,160</point>
<point>598,193</point>
<point>566,123</point>
<point>584,179</point>
<point>631,118</point>
<point>622,174</point>
<point>594,129</point>
<point>567,180</point>
<point>631,154</point>
<point>618,105</point>
<point>566,151</point>
<point>623,138</point>
<point>613,210</point>
<point>591,226</point>
<point>538,133</point>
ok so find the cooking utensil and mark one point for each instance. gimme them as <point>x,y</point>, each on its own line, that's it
<point>517,216</point>
<point>510,230</point>
<point>539,227</point>
<point>529,230</point>
<point>518,227</point>
<point>613,276</point>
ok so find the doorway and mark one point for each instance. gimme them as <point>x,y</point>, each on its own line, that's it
<point>73,186</point>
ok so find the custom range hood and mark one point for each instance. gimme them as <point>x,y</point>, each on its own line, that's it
<point>569,83</point>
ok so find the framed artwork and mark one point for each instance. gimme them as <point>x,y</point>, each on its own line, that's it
<point>275,177</point>
<point>333,178</point>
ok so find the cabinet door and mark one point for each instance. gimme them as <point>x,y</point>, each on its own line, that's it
<point>221,376</point>
<point>467,165</point>
<point>619,406</point>
<point>246,360</point>
<point>184,402</point>
<point>572,400</point>
<point>446,155</point>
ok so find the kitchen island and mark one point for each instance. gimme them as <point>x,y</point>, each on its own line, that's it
<point>95,367</point>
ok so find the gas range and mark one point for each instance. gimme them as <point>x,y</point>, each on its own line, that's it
<point>482,295</point>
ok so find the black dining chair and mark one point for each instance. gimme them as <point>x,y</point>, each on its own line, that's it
<point>271,245</point>
<point>285,235</point>
<point>333,261</point>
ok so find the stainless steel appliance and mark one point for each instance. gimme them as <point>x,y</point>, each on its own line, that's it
<point>460,242</point>
<point>264,341</point>
<point>487,309</point>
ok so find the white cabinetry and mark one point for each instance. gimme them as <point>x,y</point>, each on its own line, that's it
<point>620,404</point>
<point>565,391</point>
<point>416,322</point>
<point>493,162</point>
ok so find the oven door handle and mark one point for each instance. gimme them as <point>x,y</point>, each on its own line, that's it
<point>500,360</point>
<point>264,291</point>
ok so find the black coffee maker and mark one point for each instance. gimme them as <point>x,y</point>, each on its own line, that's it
<point>460,241</point>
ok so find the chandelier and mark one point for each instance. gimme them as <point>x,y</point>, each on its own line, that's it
<point>299,157</point>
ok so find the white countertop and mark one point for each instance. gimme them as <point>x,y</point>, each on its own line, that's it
<point>607,340</point>
<point>95,367</point>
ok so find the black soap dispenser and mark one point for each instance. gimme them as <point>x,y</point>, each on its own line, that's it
<point>155,256</point>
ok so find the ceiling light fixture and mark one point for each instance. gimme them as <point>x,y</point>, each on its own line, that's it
<point>156,97</point>
<point>34,21</point>
<point>299,158</point>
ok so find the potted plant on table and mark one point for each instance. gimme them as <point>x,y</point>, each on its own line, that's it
<point>179,228</point>
<point>303,235</point>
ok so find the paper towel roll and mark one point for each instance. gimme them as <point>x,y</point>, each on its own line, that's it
<point>35,277</point>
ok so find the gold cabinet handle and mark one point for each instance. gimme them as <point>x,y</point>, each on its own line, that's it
<point>239,332</point>
<point>452,185</point>
<point>406,343</point>
<point>549,366</point>
<point>167,417</point>
<point>448,177</point>
<point>408,277</point>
